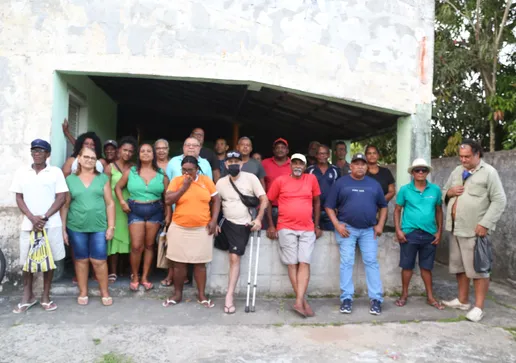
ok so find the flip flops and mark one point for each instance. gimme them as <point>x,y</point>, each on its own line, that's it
<point>133,286</point>
<point>436,305</point>
<point>82,300</point>
<point>112,278</point>
<point>230,309</point>
<point>299,311</point>
<point>107,301</point>
<point>166,282</point>
<point>401,302</point>
<point>206,303</point>
<point>147,285</point>
<point>50,306</point>
<point>21,308</point>
<point>169,302</point>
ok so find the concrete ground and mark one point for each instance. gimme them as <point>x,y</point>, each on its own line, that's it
<point>138,329</point>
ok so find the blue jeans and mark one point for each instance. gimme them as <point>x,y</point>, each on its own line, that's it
<point>88,244</point>
<point>368,247</point>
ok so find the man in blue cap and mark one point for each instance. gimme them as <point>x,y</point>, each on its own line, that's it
<point>40,193</point>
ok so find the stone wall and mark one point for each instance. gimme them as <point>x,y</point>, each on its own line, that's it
<point>324,280</point>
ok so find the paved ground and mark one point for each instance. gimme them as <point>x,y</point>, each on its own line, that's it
<point>138,329</point>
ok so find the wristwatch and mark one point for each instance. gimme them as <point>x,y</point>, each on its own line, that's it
<point>44,217</point>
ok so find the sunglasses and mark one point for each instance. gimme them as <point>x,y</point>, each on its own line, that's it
<point>420,170</point>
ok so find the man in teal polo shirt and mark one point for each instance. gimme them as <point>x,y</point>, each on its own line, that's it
<point>419,230</point>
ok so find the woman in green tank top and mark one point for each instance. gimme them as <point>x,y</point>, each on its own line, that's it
<point>145,209</point>
<point>88,218</point>
<point>121,242</point>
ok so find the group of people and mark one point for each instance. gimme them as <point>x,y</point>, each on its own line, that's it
<point>105,206</point>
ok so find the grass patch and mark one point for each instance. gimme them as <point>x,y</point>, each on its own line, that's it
<point>410,321</point>
<point>285,296</point>
<point>278,325</point>
<point>16,324</point>
<point>115,358</point>
<point>453,320</point>
<point>493,299</point>
<point>317,324</point>
<point>96,341</point>
<point>325,296</point>
<point>282,306</point>
<point>394,294</point>
<point>512,331</point>
<point>375,322</point>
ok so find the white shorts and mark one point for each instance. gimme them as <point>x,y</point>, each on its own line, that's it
<point>55,240</point>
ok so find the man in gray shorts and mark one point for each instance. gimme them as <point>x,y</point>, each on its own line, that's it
<point>40,193</point>
<point>299,209</point>
<point>475,201</point>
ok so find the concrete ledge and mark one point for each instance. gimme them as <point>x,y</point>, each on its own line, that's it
<point>273,278</point>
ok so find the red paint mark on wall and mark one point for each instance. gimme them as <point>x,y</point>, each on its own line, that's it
<point>422,55</point>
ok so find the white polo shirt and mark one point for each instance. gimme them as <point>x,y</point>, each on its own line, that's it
<point>39,192</point>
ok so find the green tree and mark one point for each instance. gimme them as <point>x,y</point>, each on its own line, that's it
<point>470,38</point>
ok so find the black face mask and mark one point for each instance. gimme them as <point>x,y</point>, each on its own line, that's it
<point>233,169</point>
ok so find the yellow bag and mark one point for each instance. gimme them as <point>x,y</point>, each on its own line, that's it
<point>163,261</point>
<point>40,257</point>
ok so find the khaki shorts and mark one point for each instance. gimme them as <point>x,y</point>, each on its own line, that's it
<point>461,257</point>
<point>296,246</point>
<point>55,240</point>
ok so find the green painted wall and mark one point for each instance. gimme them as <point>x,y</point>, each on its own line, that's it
<point>100,108</point>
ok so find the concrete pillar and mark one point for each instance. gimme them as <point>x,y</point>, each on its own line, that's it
<point>413,141</point>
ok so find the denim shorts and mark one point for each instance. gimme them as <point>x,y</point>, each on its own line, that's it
<point>146,212</point>
<point>419,244</point>
<point>88,244</point>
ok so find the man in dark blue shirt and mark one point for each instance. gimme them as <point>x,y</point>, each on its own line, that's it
<point>326,175</point>
<point>357,198</point>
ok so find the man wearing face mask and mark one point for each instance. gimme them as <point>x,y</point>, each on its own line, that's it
<point>299,210</point>
<point>236,225</point>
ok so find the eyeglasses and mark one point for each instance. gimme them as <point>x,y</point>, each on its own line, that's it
<point>192,145</point>
<point>189,170</point>
<point>37,151</point>
<point>420,170</point>
<point>89,158</point>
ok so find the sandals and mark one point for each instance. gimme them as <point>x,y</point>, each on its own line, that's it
<point>436,305</point>
<point>112,278</point>
<point>21,308</point>
<point>308,311</point>
<point>82,300</point>
<point>401,302</point>
<point>147,285</point>
<point>230,309</point>
<point>107,301</point>
<point>169,302</point>
<point>300,311</point>
<point>50,306</point>
<point>166,282</point>
<point>134,286</point>
<point>206,303</point>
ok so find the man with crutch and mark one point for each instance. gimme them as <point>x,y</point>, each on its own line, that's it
<point>298,202</point>
<point>238,190</point>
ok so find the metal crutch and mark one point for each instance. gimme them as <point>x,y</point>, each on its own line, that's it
<point>249,274</point>
<point>256,270</point>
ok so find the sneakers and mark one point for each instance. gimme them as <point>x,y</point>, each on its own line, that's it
<point>346,306</point>
<point>456,304</point>
<point>375,308</point>
<point>475,315</point>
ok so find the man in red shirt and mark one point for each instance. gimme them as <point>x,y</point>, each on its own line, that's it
<point>297,195</point>
<point>275,167</point>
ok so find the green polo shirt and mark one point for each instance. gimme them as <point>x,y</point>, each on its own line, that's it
<point>419,207</point>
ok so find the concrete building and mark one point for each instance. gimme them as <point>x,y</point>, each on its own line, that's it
<point>299,69</point>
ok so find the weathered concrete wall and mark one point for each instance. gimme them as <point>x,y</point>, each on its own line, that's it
<point>324,280</point>
<point>375,53</point>
<point>503,238</point>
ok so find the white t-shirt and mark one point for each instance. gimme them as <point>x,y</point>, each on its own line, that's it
<point>232,207</point>
<point>98,166</point>
<point>39,192</point>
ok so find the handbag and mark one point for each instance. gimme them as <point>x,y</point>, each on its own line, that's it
<point>248,200</point>
<point>163,261</point>
<point>39,258</point>
<point>483,255</point>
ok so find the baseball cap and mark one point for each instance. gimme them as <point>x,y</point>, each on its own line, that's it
<point>42,144</point>
<point>298,156</point>
<point>359,156</point>
<point>282,140</point>
<point>111,142</point>
<point>233,154</point>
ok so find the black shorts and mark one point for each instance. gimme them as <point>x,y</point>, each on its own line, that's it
<point>419,244</point>
<point>233,237</point>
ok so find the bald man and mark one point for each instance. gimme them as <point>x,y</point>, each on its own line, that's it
<point>207,154</point>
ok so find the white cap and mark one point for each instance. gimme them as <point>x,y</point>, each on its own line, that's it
<point>299,157</point>
<point>421,163</point>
